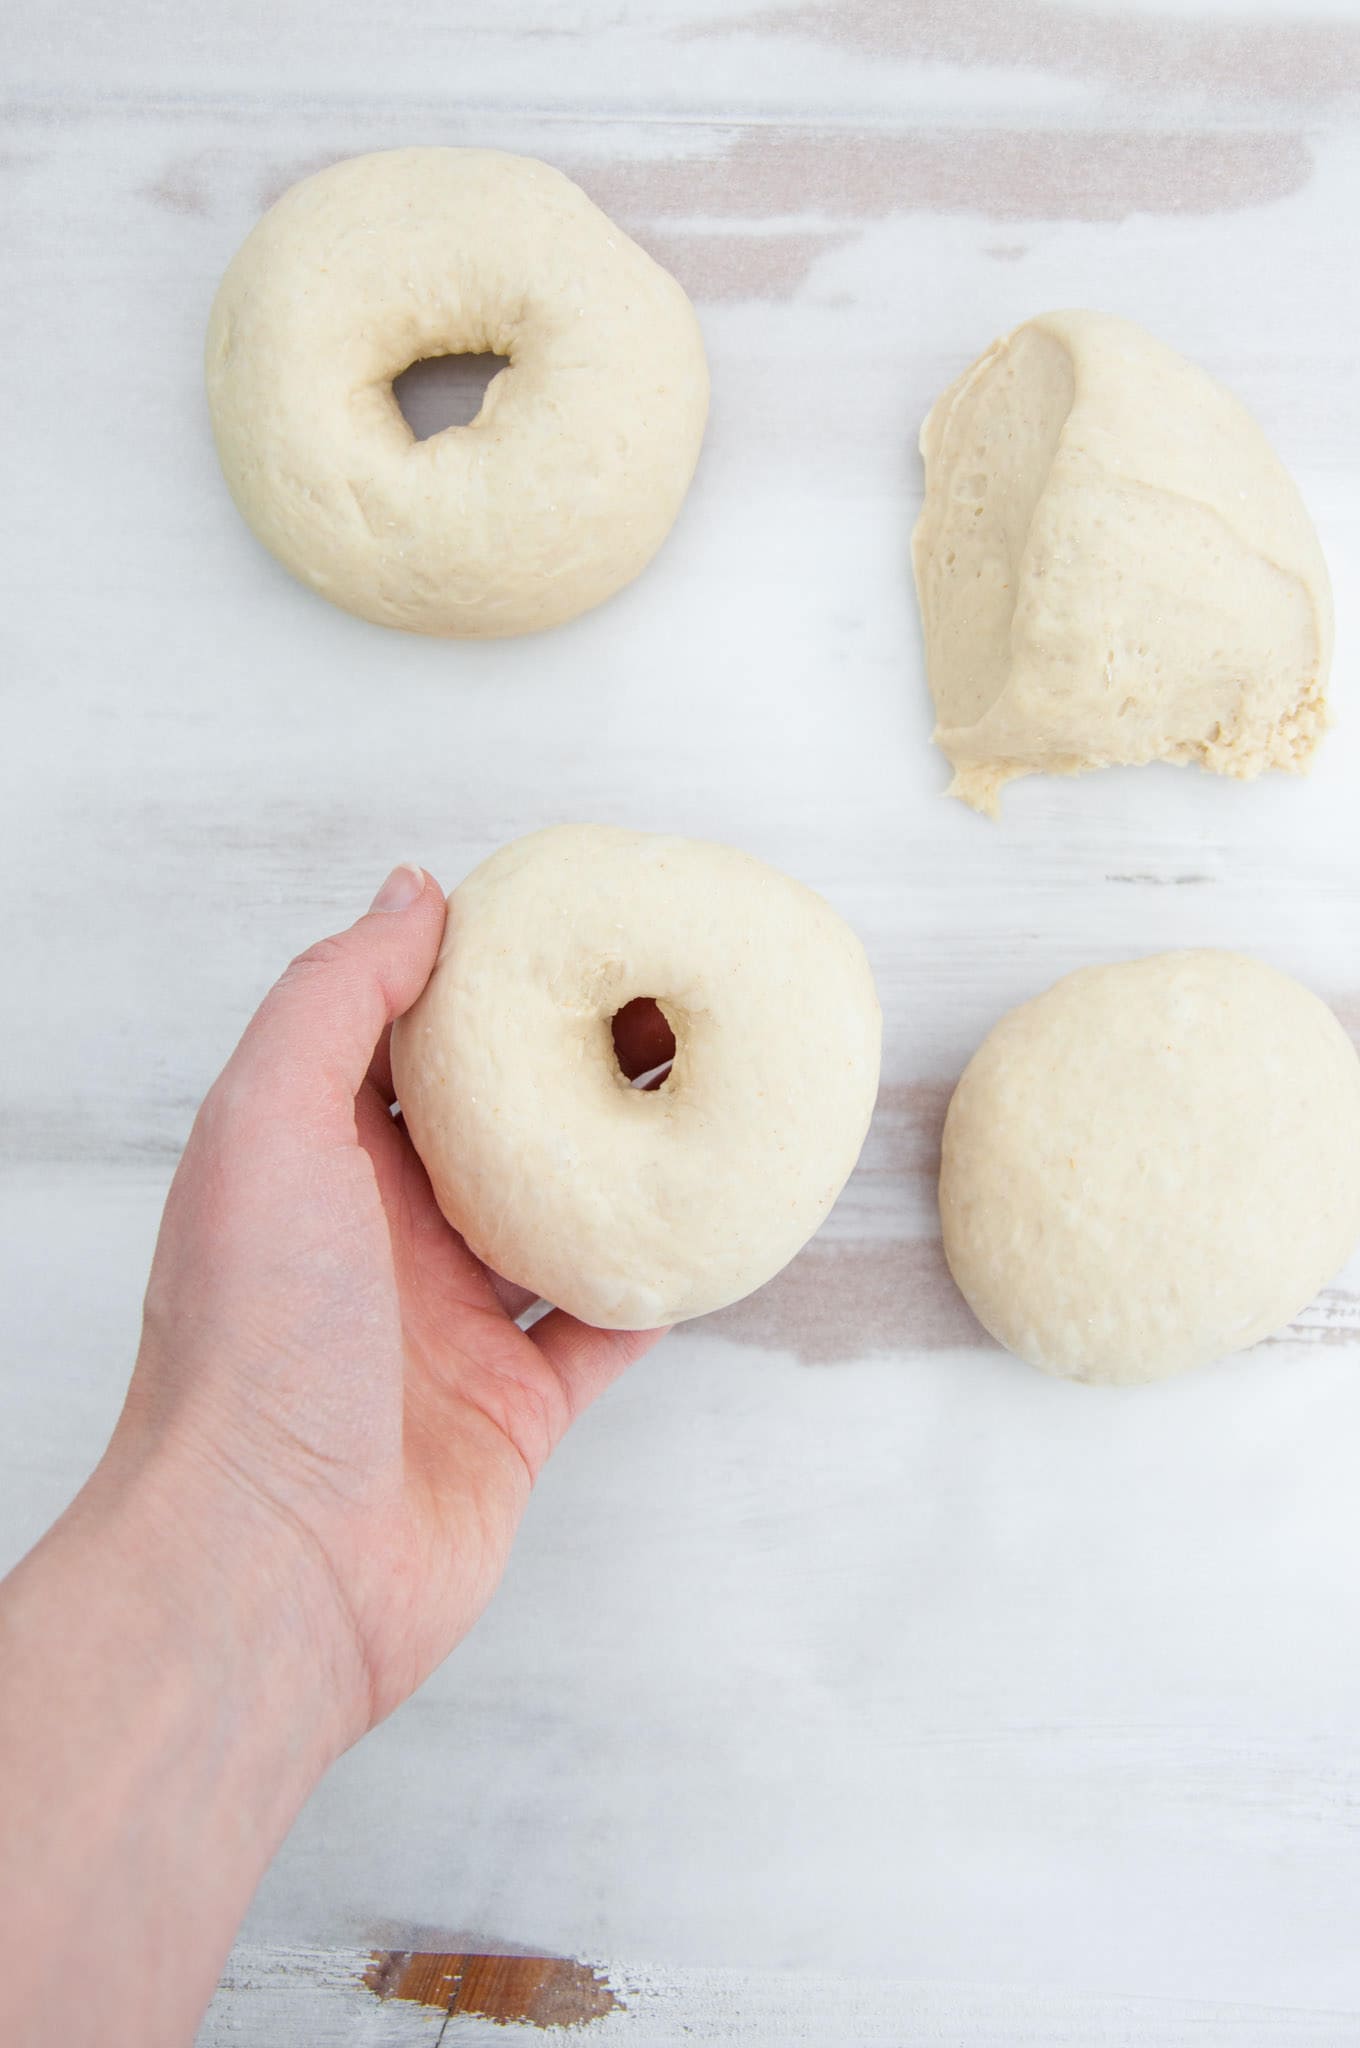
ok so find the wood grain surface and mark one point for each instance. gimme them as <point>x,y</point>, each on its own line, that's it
<point>534,1991</point>
<point>835,1638</point>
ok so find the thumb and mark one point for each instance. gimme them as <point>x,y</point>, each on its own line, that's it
<point>309,1045</point>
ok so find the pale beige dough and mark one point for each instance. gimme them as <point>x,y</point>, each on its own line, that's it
<point>1152,1164</point>
<point>636,1209</point>
<point>1113,567</point>
<point>568,480</point>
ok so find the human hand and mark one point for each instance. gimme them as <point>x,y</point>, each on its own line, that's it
<point>323,1359</point>
<point>331,1431</point>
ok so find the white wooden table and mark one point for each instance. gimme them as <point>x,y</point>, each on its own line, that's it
<point>850,1681</point>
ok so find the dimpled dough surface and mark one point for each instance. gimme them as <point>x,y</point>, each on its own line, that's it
<point>566,483</point>
<point>1152,1164</point>
<point>1113,567</point>
<point>635,1209</point>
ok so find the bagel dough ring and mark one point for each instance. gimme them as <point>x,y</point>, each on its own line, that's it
<point>570,477</point>
<point>1152,1165</point>
<point>1113,566</point>
<point>632,1208</point>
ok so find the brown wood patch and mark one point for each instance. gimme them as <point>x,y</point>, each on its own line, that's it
<point>537,1991</point>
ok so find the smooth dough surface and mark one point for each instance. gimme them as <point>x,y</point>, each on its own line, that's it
<point>568,480</point>
<point>633,1208</point>
<point>1152,1165</point>
<point>1113,567</point>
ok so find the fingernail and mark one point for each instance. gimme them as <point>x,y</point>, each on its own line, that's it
<point>400,890</point>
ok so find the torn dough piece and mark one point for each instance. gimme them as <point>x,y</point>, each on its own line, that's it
<point>1113,567</point>
<point>1152,1165</point>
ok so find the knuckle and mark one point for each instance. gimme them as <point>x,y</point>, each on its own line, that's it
<point>322,957</point>
<point>224,1129</point>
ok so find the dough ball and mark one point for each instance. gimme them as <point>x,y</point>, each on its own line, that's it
<point>635,1208</point>
<point>1152,1164</point>
<point>1113,567</point>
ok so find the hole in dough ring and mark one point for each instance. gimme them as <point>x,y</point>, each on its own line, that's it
<point>636,1208</point>
<point>570,477</point>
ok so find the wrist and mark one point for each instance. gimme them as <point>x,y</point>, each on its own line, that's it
<point>248,1613</point>
<point>229,1666</point>
<point>160,1726</point>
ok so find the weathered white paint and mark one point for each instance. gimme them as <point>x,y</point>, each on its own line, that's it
<point>316,1997</point>
<point>903,1659</point>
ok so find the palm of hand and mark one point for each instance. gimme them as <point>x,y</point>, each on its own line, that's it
<point>352,1370</point>
<point>482,1408</point>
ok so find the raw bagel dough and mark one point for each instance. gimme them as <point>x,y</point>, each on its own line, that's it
<point>569,478</point>
<point>1152,1164</point>
<point>1113,566</point>
<point>635,1209</point>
